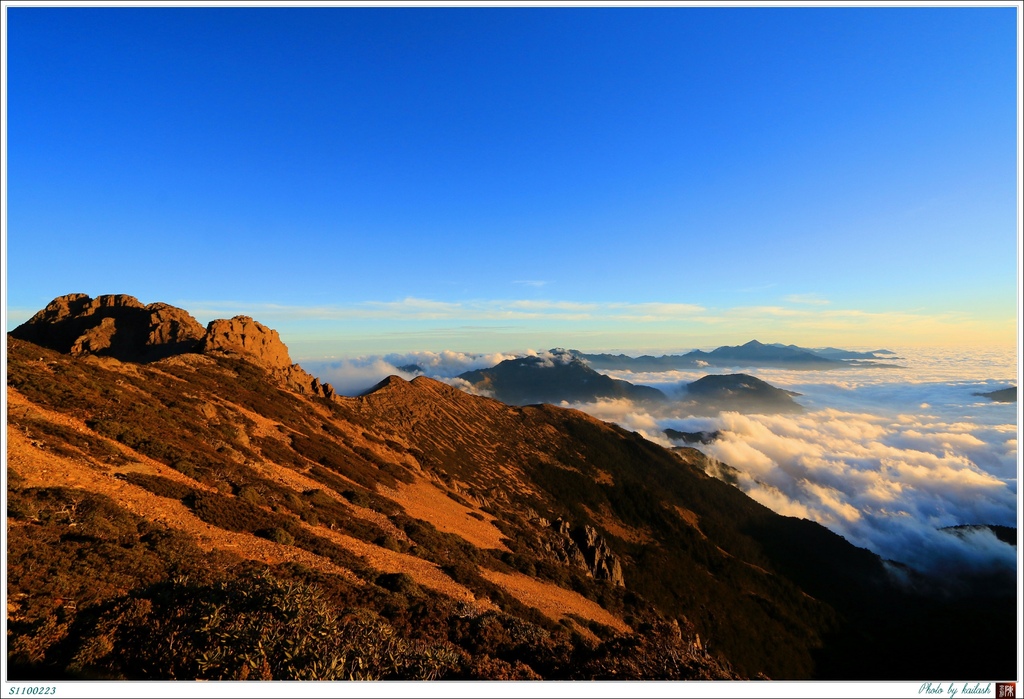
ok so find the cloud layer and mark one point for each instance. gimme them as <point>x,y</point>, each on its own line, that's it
<point>884,483</point>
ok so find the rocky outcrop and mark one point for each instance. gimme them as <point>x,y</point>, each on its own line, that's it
<point>120,326</point>
<point>249,339</point>
<point>601,561</point>
<point>115,325</point>
<point>243,336</point>
<point>584,548</point>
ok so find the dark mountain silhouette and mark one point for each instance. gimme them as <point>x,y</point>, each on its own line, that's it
<point>1003,395</point>
<point>553,378</point>
<point>752,354</point>
<point>704,437</point>
<point>758,354</point>
<point>741,393</point>
<point>1008,535</point>
<point>646,362</point>
<point>840,354</point>
<point>206,516</point>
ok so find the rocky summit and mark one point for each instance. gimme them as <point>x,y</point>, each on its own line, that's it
<point>249,339</point>
<point>115,325</point>
<point>187,503</point>
<point>121,327</point>
<point>243,336</point>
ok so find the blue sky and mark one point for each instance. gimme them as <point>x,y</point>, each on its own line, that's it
<point>491,179</point>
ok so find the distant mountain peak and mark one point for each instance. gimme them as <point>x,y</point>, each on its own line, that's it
<point>742,392</point>
<point>553,377</point>
<point>388,383</point>
<point>1003,395</point>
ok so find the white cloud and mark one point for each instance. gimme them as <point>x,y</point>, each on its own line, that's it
<point>448,363</point>
<point>885,482</point>
<point>623,412</point>
<point>807,299</point>
<point>880,484</point>
<point>466,386</point>
<point>351,377</point>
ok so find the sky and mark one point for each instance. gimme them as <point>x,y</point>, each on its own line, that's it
<point>490,179</point>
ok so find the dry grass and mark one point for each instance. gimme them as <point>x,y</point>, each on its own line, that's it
<point>424,500</point>
<point>554,602</point>
<point>613,526</point>
<point>43,469</point>
<point>424,572</point>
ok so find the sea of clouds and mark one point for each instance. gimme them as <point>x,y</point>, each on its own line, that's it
<point>885,457</point>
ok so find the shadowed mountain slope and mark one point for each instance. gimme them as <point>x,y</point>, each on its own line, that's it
<point>1003,395</point>
<point>561,376</point>
<point>740,392</point>
<point>200,517</point>
<point>751,354</point>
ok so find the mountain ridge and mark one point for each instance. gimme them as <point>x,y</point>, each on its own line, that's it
<point>430,533</point>
<point>751,354</point>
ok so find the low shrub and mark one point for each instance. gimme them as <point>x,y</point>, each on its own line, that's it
<point>158,485</point>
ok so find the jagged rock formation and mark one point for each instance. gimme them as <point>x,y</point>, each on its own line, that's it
<point>584,548</point>
<point>242,336</point>
<point>120,326</point>
<point>115,325</point>
<point>603,564</point>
